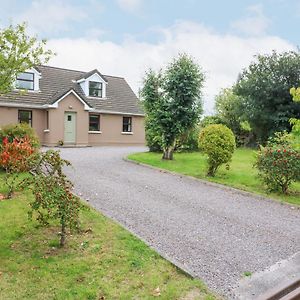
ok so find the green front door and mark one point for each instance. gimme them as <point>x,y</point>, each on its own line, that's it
<point>70,128</point>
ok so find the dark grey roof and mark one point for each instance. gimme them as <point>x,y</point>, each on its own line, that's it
<point>88,74</point>
<point>56,82</point>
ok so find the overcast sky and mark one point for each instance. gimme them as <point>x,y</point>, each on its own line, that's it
<point>126,37</point>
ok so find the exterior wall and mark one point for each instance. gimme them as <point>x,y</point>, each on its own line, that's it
<point>110,125</point>
<point>57,125</point>
<point>111,131</point>
<point>9,115</point>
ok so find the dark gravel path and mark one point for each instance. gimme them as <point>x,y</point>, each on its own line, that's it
<point>213,233</point>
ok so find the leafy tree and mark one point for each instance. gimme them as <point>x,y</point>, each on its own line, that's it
<point>52,190</point>
<point>229,108</point>
<point>172,101</point>
<point>265,89</point>
<point>18,53</point>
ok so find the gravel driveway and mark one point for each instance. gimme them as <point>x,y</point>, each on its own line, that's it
<point>213,233</point>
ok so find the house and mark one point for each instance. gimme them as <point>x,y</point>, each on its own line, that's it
<point>75,108</point>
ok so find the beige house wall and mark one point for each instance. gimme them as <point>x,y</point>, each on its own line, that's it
<point>111,131</point>
<point>56,121</point>
<point>9,115</point>
<point>110,125</point>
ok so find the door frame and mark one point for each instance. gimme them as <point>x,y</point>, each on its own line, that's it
<point>75,127</point>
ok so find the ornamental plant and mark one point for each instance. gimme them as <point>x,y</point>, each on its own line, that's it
<point>19,131</point>
<point>14,159</point>
<point>278,167</point>
<point>218,143</point>
<point>52,190</point>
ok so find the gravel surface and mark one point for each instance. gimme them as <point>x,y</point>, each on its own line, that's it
<point>213,233</point>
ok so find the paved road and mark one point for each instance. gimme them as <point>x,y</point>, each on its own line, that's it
<point>213,233</point>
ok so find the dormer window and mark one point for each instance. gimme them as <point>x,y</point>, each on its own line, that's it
<point>95,89</point>
<point>25,81</point>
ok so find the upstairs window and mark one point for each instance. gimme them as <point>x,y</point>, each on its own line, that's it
<point>95,89</point>
<point>94,124</point>
<point>127,124</point>
<point>25,116</point>
<point>25,81</point>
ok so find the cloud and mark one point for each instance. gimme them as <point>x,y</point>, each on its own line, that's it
<point>221,56</point>
<point>131,6</point>
<point>51,16</point>
<point>254,24</point>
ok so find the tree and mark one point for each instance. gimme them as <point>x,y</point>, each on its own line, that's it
<point>18,53</point>
<point>172,101</point>
<point>52,190</point>
<point>229,110</point>
<point>265,89</point>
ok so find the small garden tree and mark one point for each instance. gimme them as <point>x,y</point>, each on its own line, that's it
<point>218,143</point>
<point>53,193</point>
<point>19,52</point>
<point>172,102</point>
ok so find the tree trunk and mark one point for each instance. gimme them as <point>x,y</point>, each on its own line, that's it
<point>63,233</point>
<point>168,153</point>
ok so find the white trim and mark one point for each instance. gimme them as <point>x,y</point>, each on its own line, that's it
<point>55,104</point>
<point>116,113</point>
<point>46,130</point>
<point>127,133</point>
<point>46,106</point>
<point>95,132</point>
<point>21,105</point>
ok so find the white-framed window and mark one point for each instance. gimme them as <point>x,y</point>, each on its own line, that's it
<point>127,124</point>
<point>25,81</point>
<point>25,116</point>
<point>94,122</point>
<point>95,89</point>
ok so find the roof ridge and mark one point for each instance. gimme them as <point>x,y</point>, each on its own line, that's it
<point>62,68</point>
<point>114,76</point>
<point>80,71</point>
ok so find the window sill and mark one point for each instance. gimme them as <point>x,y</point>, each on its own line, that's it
<point>127,133</point>
<point>46,130</point>
<point>95,132</point>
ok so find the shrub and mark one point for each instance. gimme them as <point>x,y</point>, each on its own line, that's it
<point>188,141</point>
<point>52,193</point>
<point>14,158</point>
<point>278,167</point>
<point>218,142</point>
<point>20,131</point>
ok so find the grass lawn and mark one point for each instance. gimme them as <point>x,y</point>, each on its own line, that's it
<point>103,262</point>
<point>241,175</point>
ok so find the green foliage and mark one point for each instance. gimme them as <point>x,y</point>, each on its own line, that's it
<point>295,133</point>
<point>189,140</point>
<point>265,89</point>
<point>229,108</point>
<point>20,131</point>
<point>53,193</point>
<point>218,143</point>
<point>295,92</point>
<point>210,120</point>
<point>278,166</point>
<point>19,52</point>
<point>172,102</point>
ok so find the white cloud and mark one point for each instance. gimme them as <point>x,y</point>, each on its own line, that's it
<point>51,16</point>
<point>131,6</point>
<point>254,24</point>
<point>221,56</point>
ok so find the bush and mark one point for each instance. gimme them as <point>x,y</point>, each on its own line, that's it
<point>14,158</point>
<point>188,141</point>
<point>278,167</point>
<point>19,131</point>
<point>218,142</point>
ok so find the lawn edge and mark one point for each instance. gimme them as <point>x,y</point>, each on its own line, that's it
<point>214,184</point>
<point>184,269</point>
